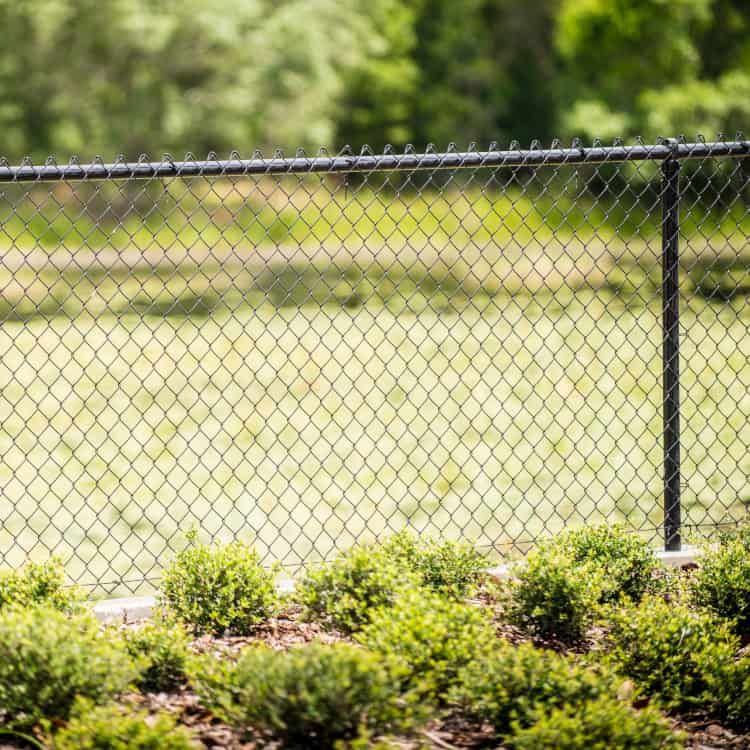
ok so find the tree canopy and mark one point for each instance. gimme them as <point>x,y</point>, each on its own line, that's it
<point>132,76</point>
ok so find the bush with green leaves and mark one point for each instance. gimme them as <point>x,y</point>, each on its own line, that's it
<point>39,583</point>
<point>513,686</point>
<point>551,597</point>
<point>721,584</point>
<point>112,727</point>
<point>740,533</point>
<point>344,593</point>
<point>427,639</point>
<point>628,565</point>
<point>162,650</point>
<point>444,566</point>
<point>308,697</point>
<point>218,589</point>
<point>47,659</point>
<point>730,690</point>
<point>670,652</point>
<point>602,724</point>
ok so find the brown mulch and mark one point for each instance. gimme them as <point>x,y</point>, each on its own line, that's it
<point>705,734</point>
<point>185,705</point>
<point>278,632</point>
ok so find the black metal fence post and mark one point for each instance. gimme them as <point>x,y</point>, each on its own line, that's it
<point>671,349</point>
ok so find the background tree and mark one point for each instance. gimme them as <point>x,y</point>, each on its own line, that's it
<point>109,76</point>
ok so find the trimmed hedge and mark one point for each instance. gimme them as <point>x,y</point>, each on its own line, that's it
<point>162,650</point>
<point>451,568</point>
<point>628,565</point>
<point>721,584</point>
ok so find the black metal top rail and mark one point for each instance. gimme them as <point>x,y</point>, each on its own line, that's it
<point>366,162</point>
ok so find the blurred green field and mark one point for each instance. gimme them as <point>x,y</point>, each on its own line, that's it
<point>480,365</point>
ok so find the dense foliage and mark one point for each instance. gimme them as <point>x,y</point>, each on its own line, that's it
<point>161,647</point>
<point>672,653</point>
<point>48,660</point>
<point>444,566</point>
<point>344,593</point>
<point>426,639</point>
<point>422,648</point>
<point>39,583</point>
<point>627,564</point>
<point>111,76</point>
<point>722,583</point>
<point>601,724</point>
<point>218,589</point>
<point>730,690</point>
<point>512,687</point>
<point>111,727</point>
<point>307,697</point>
<point>550,596</point>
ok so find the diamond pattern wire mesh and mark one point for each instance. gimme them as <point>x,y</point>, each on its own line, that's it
<point>307,353</point>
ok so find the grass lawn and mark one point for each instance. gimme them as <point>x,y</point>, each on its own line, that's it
<point>488,377</point>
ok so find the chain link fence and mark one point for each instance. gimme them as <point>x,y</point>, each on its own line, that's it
<point>308,352</point>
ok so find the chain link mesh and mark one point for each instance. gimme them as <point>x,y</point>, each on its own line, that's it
<point>306,353</point>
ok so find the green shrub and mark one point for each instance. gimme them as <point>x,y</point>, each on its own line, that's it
<point>730,690</point>
<point>628,565</point>
<point>551,597</point>
<point>739,534</point>
<point>162,649</point>
<point>603,724</point>
<point>515,685</point>
<point>218,589</point>
<point>48,658</point>
<point>39,583</point>
<point>426,639</point>
<point>671,652</point>
<point>722,583</point>
<point>310,696</point>
<point>114,728</point>
<point>447,567</point>
<point>343,594</point>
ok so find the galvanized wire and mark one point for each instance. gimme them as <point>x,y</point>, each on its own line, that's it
<point>307,352</point>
